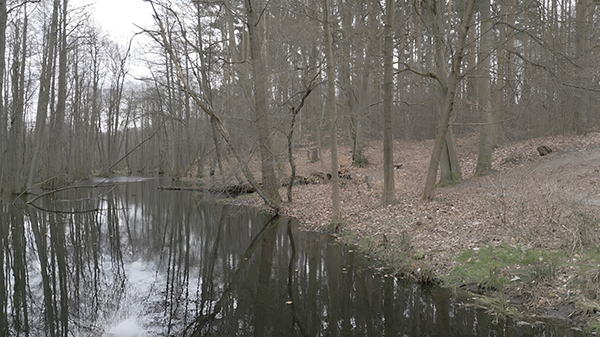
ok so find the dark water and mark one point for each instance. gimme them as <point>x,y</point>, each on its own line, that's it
<point>125,259</point>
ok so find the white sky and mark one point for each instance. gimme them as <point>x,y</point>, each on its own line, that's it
<point>118,18</point>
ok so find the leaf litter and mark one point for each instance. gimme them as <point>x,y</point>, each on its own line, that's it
<point>548,202</point>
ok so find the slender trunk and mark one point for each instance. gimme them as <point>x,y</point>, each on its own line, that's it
<point>449,163</point>
<point>364,97</point>
<point>57,168</point>
<point>348,87</point>
<point>486,114</point>
<point>581,36</point>
<point>315,104</point>
<point>44,96</point>
<point>336,216</point>
<point>290,138</point>
<point>4,281</point>
<point>4,120</point>
<point>388,105</point>
<point>453,81</point>
<point>502,72</point>
<point>259,77</point>
<point>16,142</point>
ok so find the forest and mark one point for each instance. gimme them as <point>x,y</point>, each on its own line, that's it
<point>233,88</point>
<point>373,105</point>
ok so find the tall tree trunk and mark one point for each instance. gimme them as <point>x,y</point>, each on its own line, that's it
<point>502,73</point>
<point>450,172</point>
<point>348,86</point>
<point>336,214</point>
<point>364,97</point>
<point>314,107</point>
<point>4,120</point>
<point>16,143</point>
<point>44,96</point>
<point>57,158</point>
<point>581,37</point>
<point>448,104</point>
<point>388,105</point>
<point>486,114</point>
<point>259,77</point>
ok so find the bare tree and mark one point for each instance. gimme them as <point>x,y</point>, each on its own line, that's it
<point>3,111</point>
<point>388,105</point>
<point>486,113</point>
<point>336,214</point>
<point>582,45</point>
<point>44,95</point>
<point>13,176</point>
<point>162,39</point>
<point>259,77</point>
<point>453,80</point>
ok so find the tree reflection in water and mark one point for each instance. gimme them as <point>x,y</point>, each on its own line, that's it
<point>93,260</point>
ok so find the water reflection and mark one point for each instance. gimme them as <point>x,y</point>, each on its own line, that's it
<point>120,258</point>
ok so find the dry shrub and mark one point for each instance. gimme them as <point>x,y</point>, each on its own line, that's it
<point>546,214</point>
<point>582,229</point>
<point>592,283</point>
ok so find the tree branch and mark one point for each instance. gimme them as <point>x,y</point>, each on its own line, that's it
<point>430,74</point>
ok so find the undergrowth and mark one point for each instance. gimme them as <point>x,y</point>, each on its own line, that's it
<point>496,270</point>
<point>395,252</point>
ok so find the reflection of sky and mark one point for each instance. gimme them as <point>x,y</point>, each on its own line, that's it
<point>148,248</point>
<point>141,293</point>
<point>141,306</point>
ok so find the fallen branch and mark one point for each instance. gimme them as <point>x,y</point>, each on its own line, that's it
<point>231,190</point>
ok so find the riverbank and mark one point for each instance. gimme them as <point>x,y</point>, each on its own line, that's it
<point>526,234</point>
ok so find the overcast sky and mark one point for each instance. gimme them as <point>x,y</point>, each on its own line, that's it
<point>119,18</point>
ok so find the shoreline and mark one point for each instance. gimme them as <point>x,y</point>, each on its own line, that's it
<point>523,236</point>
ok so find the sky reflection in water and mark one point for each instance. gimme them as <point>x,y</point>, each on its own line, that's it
<point>170,263</point>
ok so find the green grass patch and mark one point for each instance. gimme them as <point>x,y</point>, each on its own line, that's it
<point>495,266</point>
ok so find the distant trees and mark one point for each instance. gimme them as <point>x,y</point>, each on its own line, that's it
<point>70,108</point>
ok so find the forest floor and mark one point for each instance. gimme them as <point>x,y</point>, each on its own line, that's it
<point>526,235</point>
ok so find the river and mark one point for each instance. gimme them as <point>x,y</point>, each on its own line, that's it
<point>118,257</point>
